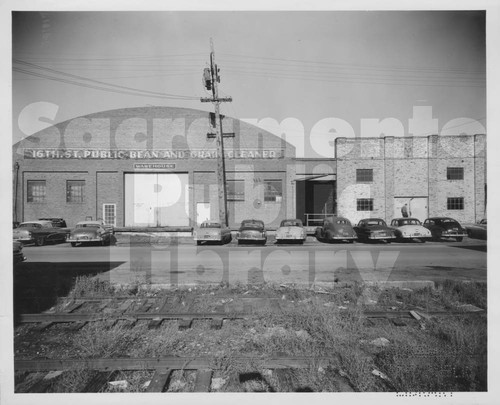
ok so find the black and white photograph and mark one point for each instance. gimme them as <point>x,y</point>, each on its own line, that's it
<point>212,200</point>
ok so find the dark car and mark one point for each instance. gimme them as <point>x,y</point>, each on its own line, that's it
<point>39,232</point>
<point>478,230</point>
<point>17,248</point>
<point>252,231</point>
<point>373,229</point>
<point>56,222</point>
<point>336,229</point>
<point>444,228</point>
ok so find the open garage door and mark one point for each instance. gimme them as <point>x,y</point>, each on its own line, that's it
<point>415,207</point>
<point>156,199</point>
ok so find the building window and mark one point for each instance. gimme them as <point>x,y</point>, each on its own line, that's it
<point>109,214</point>
<point>455,203</point>
<point>455,173</point>
<point>273,191</point>
<point>364,204</point>
<point>235,190</point>
<point>364,175</point>
<point>36,191</point>
<point>74,191</point>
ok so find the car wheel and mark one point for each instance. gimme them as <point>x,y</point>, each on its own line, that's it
<point>73,244</point>
<point>422,240</point>
<point>460,239</point>
<point>40,241</point>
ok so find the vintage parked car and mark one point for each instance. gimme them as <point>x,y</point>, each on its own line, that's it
<point>212,231</point>
<point>18,252</point>
<point>252,231</point>
<point>373,229</point>
<point>39,232</point>
<point>56,222</point>
<point>90,232</point>
<point>291,230</point>
<point>443,227</point>
<point>478,230</point>
<point>336,229</point>
<point>409,229</point>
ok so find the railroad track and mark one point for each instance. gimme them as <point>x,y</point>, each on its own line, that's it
<point>105,370</point>
<point>156,313</point>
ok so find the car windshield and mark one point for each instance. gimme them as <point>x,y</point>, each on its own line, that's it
<point>87,225</point>
<point>372,222</point>
<point>294,222</point>
<point>342,221</point>
<point>210,225</point>
<point>252,224</point>
<point>409,222</point>
<point>30,225</point>
<point>446,220</point>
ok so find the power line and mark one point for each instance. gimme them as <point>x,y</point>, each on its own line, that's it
<point>110,90</point>
<point>147,92</point>
<point>359,66</point>
<point>353,80</point>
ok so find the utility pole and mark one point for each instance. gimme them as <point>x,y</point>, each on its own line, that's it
<point>211,79</point>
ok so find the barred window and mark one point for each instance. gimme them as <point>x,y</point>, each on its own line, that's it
<point>455,173</point>
<point>455,203</point>
<point>364,204</point>
<point>273,191</point>
<point>36,191</point>
<point>235,190</point>
<point>75,191</point>
<point>364,175</point>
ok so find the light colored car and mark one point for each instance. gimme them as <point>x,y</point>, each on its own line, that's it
<point>291,230</point>
<point>336,229</point>
<point>90,232</point>
<point>212,231</point>
<point>252,231</point>
<point>409,229</point>
<point>38,232</point>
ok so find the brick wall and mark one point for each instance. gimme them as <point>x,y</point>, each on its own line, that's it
<point>412,167</point>
<point>152,129</point>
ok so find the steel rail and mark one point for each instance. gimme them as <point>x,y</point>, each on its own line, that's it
<point>170,362</point>
<point>87,317</point>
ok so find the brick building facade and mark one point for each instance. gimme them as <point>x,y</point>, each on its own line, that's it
<point>433,176</point>
<point>156,166</point>
<point>153,166</point>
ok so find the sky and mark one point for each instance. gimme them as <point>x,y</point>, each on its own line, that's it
<point>321,74</point>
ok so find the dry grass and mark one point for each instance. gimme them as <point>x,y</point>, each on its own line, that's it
<point>448,355</point>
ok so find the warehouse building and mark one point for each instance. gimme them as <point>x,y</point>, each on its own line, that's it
<point>152,167</point>
<point>391,177</point>
<point>156,167</point>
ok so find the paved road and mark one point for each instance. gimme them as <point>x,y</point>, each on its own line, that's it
<point>184,263</point>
